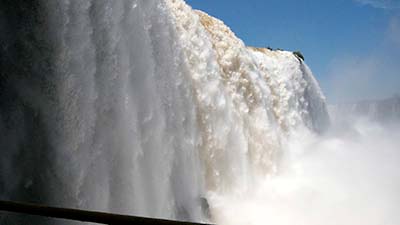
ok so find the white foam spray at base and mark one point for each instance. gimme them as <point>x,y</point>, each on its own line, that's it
<point>350,176</point>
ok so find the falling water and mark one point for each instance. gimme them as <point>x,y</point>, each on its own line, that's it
<point>150,108</point>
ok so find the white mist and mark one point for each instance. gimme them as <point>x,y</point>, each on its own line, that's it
<point>350,176</point>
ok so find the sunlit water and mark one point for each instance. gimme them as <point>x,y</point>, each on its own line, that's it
<point>150,108</point>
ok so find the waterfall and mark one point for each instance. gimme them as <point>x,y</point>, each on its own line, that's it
<point>142,107</point>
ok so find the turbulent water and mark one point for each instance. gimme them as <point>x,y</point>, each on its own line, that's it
<point>150,108</point>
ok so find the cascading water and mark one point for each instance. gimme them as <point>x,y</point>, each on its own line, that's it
<point>96,109</point>
<point>150,108</point>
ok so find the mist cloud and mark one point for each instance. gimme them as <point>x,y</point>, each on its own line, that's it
<point>374,75</point>
<point>383,4</point>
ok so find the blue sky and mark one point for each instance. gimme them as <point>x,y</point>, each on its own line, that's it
<point>352,46</point>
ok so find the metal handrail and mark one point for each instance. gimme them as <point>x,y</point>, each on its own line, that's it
<point>84,215</point>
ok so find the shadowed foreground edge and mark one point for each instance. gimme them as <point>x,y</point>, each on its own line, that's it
<point>84,215</point>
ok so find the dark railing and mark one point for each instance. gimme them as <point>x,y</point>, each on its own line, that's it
<point>84,216</point>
